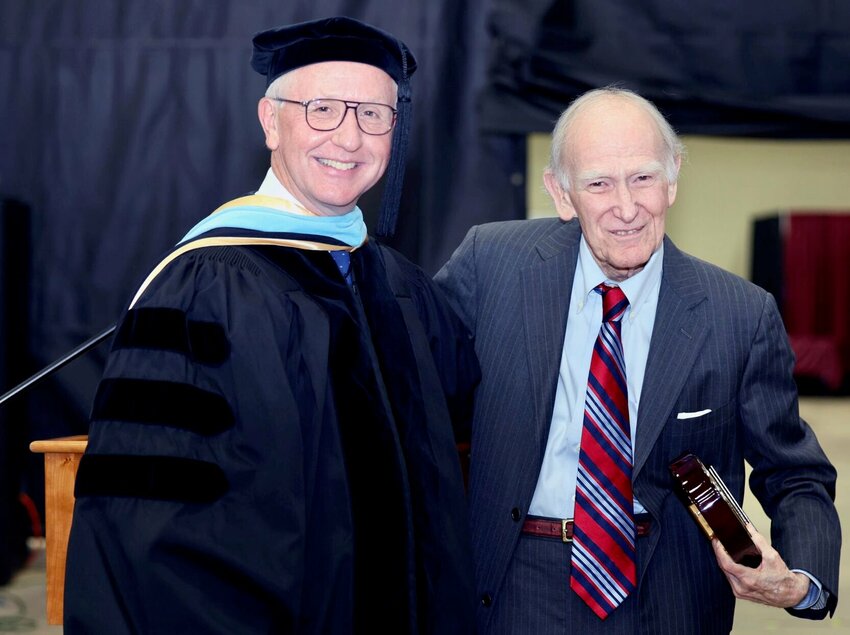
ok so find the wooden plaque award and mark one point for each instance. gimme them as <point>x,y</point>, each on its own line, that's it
<point>714,508</point>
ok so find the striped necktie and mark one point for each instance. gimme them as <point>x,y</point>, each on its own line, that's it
<point>603,552</point>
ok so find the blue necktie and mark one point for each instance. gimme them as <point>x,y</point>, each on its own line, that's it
<point>343,262</point>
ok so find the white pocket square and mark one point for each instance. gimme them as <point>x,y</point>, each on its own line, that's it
<point>693,415</point>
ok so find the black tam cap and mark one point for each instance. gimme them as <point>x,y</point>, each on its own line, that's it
<point>278,51</point>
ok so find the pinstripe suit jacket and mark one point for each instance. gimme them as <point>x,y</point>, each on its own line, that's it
<point>718,342</point>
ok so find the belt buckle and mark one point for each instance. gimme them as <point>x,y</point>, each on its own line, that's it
<point>564,536</point>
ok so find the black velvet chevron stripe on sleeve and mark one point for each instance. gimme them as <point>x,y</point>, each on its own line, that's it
<point>154,477</point>
<point>171,330</point>
<point>162,403</point>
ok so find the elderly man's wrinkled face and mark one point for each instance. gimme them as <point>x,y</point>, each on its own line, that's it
<point>614,157</point>
<point>327,171</point>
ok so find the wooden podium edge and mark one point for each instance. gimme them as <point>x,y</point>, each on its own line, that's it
<point>61,461</point>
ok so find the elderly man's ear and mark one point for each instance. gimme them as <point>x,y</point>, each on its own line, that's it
<point>560,196</point>
<point>267,112</point>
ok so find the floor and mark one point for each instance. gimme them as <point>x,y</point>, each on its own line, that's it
<point>22,603</point>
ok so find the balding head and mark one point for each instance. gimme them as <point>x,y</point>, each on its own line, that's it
<point>585,108</point>
<point>615,164</point>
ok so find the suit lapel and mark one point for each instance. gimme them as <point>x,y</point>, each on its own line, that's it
<point>546,287</point>
<point>681,327</point>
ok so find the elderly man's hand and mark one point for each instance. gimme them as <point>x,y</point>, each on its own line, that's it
<point>771,583</point>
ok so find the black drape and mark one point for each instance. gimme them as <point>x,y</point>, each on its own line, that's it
<point>714,67</point>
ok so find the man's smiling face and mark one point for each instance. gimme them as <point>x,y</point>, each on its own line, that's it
<point>614,155</point>
<point>327,171</point>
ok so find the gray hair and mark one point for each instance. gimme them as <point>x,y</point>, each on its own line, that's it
<point>673,146</point>
<point>278,87</point>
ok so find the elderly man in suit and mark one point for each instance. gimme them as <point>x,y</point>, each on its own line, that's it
<point>576,527</point>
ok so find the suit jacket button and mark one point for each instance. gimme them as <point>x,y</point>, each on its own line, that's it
<point>515,514</point>
<point>486,599</point>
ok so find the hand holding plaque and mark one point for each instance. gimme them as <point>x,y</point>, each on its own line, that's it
<point>714,508</point>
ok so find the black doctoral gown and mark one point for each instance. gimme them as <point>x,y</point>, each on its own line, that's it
<point>274,451</point>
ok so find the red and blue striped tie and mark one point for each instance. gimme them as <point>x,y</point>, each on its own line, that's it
<point>603,552</point>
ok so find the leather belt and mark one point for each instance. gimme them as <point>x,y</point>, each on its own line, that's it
<point>563,529</point>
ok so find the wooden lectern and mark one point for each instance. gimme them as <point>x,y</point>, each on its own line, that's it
<point>61,460</point>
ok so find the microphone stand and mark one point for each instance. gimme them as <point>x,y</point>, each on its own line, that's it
<point>59,363</point>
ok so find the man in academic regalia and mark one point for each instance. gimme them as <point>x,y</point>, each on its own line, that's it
<point>272,447</point>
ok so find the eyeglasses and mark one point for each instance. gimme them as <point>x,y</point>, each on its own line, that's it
<point>328,114</point>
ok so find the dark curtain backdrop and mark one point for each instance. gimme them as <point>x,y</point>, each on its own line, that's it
<point>123,122</point>
<point>716,67</point>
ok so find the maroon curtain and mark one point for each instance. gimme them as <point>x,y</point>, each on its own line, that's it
<point>816,306</point>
